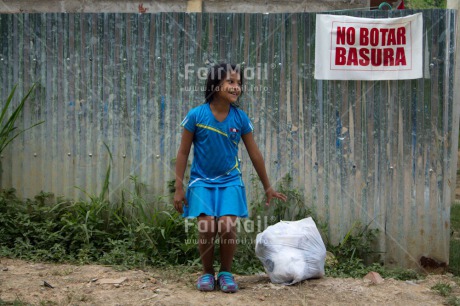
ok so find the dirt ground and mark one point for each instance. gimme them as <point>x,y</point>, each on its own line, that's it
<point>24,282</point>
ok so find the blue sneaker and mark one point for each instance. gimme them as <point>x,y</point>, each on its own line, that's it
<point>226,282</point>
<point>206,282</point>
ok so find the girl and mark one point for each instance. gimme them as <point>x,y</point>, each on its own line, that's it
<point>215,193</point>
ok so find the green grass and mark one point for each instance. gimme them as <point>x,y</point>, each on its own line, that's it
<point>454,258</point>
<point>8,129</point>
<point>136,233</point>
<point>443,289</point>
<point>453,301</point>
<point>425,4</point>
<point>455,216</point>
<point>16,302</point>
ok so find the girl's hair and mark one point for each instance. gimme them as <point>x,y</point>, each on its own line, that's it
<point>216,75</point>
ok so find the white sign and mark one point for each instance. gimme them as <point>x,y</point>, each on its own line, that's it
<point>351,48</point>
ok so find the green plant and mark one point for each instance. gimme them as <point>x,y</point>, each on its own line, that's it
<point>453,301</point>
<point>172,186</point>
<point>16,302</point>
<point>137,232</point>
<point>8,130</point>
<point>443,289</point>
<point>245,261</point>
<point>123,255</point>
<point>454,258</point>
<point>44,228</point>
<point>357,243</point>
<point>352,251</point>
<point>400,274</point>
<point>455,216</point>
<point>425,4</point>
<point>294,208</point>
<point>446,290</point>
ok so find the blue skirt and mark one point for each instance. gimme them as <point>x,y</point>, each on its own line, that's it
<point>216,201</point>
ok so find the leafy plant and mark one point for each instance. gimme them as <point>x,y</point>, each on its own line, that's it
<point>453,301</point>
<point>133,232</point>
<point>16,302</point>
<point>294,208</point>
<point>454,258</point>
<point>8,130</point>
<point>400,274</point>
<point>425,4</point>
<point>443,289</point>
<point>137,232</point>
<point>357,243</point>
<point>352,252</point>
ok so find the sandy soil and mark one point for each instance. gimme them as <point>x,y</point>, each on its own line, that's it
<point>84,285</point>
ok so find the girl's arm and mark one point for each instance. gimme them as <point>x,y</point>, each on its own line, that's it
<point>181,164</point>
<point>259,164</point>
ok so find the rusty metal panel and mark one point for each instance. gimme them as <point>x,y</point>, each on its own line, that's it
<point>379,152</point>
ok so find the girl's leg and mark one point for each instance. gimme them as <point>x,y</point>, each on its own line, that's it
<point>227,233</point>
<point>207,234</point>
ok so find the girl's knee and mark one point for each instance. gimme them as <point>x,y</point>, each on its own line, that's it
<point>206,223</point>
<point>227,224</point>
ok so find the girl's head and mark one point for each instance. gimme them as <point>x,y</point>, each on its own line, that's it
<point>225,81</point>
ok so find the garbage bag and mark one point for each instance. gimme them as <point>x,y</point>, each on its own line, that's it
<point>291,251</point>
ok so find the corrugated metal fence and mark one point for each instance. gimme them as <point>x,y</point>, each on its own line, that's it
<point>378,152</point>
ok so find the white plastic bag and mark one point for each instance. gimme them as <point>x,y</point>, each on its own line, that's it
<point>291,251</point>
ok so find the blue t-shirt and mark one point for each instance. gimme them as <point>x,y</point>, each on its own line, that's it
<point>215,146</point>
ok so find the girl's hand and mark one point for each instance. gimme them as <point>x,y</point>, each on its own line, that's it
<point>179,200</point>
<point>271,193</point>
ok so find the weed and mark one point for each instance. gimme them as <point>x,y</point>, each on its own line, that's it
<point>352,251</point>
<point>294,208</point>
<point>455,216</point>
<point>122,255</point>
<point>443,289</point>
<point>356,243</point>
<point>16,302</point>
<point>47,303</point>
<point>172,186</point>
<point>8,130</point>
<point>136,232</point>
<point>426,4</point>
<point>63,272</point>
<point>456,279</point>
<point>454,258</point>
<point>401,274</point>
<point>453,301</point>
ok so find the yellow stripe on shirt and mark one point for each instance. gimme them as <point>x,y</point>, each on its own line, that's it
<point>235,166</point>
<point>211,128</point>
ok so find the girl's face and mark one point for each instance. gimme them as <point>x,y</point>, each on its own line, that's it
<point>230,88</point>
